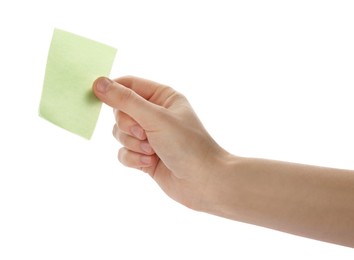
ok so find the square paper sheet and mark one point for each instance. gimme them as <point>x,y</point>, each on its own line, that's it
<point>74,62</point>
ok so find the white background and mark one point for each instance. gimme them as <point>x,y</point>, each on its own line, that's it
<point>269,79</point>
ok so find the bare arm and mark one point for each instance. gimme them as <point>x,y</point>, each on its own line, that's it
<point>305,200</point>
<point>162,136</point>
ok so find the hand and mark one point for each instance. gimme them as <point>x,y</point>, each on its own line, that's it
<point>161,135</point>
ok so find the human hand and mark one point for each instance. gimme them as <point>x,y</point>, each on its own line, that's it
<point>161,135</point>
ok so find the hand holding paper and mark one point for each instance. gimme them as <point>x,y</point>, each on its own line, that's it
<point>161,135</point>
<point>74,62</point>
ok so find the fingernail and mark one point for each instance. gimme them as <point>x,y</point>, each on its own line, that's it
<point>145,159</point>
<point>103,84</point>
<point>146,148</point>
<point>137,131</point>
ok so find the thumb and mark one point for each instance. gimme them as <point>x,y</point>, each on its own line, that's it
<point>125,99</point>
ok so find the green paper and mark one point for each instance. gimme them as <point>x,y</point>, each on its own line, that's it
<point>74,62</point>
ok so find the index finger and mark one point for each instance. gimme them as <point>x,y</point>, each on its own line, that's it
<point>155,92</point>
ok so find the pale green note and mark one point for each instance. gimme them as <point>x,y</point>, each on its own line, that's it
<point>74,62</point>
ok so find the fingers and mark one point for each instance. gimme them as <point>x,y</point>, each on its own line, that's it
<point>149,90</point>
<point>128,125</point>
<point>137,152</point>
<point>131,143</point>
<point>127,100</point>
<point>136,160</point>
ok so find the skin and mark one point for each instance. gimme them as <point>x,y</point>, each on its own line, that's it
<point>162,136</point>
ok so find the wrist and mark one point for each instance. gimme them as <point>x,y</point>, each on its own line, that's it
<point>221,189</point>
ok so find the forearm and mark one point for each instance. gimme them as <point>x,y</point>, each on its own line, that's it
<point>192,169</point>
<point>309,201</point>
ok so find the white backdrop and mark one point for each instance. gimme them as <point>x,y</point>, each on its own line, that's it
<point>269,79</point>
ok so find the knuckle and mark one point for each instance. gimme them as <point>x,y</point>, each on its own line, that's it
<point>124,122</point>
<point>119,115</point>
<point>173,97</point>
<point>180,95</point>
<point>126,158</point>
<point>121,124</point>
<point>122,138</point>
<point>125,97</point>
<point>114,130</point>
<point>116,114</point>
<point>121,155</point>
